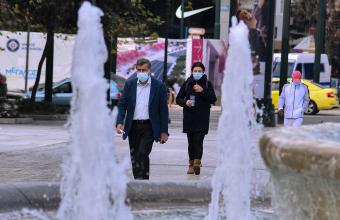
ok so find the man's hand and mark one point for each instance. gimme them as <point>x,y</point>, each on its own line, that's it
<point>164,138</point>
<point>120,129</point>
<point>280,113</point>
<point>189,103</point>
<point>198,88</point>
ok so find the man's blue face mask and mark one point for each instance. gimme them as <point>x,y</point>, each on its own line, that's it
<point>142,76</point>
<point>197,75</point>
<point>296,83</point>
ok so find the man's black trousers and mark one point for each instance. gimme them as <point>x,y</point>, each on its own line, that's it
<point>195,145</point>
<point>140,141</point>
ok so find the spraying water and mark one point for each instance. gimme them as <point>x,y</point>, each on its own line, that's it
<point>93,184</point>
<point>231,180</point>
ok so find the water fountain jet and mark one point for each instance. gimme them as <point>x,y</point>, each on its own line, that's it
<point>94,183</point>
<point>231,180</point>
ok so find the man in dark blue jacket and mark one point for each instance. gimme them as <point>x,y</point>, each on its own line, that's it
<point>144,107</point>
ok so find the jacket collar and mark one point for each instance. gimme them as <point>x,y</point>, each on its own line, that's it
<point>152,89</point>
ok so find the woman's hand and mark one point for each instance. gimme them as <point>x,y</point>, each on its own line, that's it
<point>189,103</point>
<point>198,88</point>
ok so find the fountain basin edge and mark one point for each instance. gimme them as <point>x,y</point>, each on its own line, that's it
<point>282,150</point>
<point>305,166</point>
<point>46,195</point>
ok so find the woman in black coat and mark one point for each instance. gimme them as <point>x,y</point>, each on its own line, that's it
<point>196,97</point>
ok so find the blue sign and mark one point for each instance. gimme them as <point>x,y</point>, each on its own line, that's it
<point>13,45</point>
<point>15,72</point>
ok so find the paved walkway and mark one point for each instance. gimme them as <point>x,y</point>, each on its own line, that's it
<point>34,153</point>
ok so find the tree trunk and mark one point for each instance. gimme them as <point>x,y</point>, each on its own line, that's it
<point>333,37</point>
<point>50,52</point>
<point>49,66</point>
<point>37,79</point>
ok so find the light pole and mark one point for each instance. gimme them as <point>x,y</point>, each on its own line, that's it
<point>217,19</point>
<point>233,8</point>
<point>182,19</point>
<point>268,113</point>
<point>285,44</point>
<point>167,22</point>
<point>27,46</point>
<point>320,39</point>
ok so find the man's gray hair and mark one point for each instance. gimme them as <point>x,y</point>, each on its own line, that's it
<point>142,61</point>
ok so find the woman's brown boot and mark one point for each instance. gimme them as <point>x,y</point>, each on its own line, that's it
<point>197,167</point>
<point>191,167</point>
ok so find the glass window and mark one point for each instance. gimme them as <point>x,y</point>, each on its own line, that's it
<point>299,67</point>
<point>277,67</point>
<point>308,67</point>
<point>308,70</point>
<point>64,88</point>
<point>275,86</point>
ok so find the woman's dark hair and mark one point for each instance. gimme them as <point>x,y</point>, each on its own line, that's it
<point>197,64</point>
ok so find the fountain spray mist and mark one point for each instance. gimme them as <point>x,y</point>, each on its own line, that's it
<point>93,184</point>
<point>231,180</point>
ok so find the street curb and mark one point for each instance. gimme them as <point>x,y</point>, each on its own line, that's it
<point>46,195</point>
<point>175,112</point>
<point>47,117</point>
<point>22,120</point>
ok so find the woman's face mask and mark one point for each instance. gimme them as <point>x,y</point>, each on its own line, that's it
<point>197,75</point>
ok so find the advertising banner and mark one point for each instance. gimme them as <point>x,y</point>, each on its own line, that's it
<point>131,49</point>
<point>197,50</point>
<point>255,15</point>
<point>214,60</point>
<point>181,55</point>
<point>13,47</point>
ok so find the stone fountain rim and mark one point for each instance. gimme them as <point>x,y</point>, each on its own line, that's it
<point>46,195</point>
<point>15,196</point>
<point>301,156</point>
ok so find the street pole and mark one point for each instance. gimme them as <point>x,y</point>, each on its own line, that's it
<point>182,20</point>
<point>217,19</point>
<point>167,22</point>
<point>285,44</point>
<point>108,67</point>
<point>27,53</point>
<point>268,113</point>
<point>320,39</point>
<point>233,7</point>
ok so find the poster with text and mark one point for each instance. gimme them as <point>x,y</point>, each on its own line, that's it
<point>13,47</point>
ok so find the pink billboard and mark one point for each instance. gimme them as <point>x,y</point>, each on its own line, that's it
<point>197,50</point>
